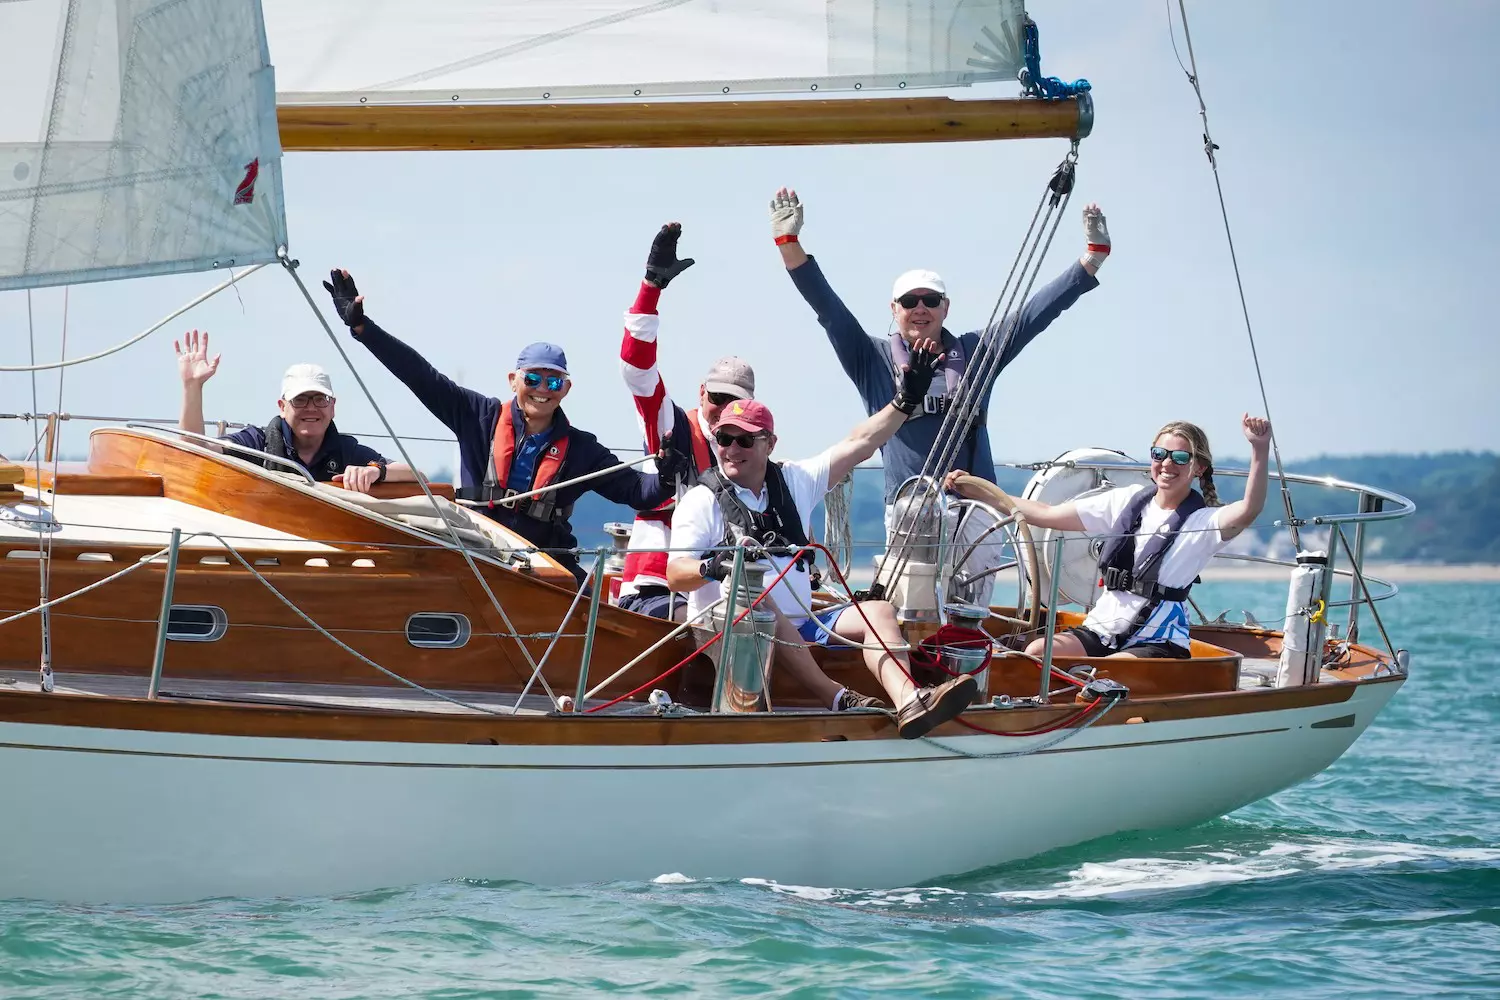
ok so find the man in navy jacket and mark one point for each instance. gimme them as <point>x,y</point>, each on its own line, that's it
<point>507,447</point>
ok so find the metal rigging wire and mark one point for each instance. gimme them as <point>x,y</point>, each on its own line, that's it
<point>1208,150</point>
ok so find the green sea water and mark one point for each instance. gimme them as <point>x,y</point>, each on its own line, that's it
<point>1378,878</point>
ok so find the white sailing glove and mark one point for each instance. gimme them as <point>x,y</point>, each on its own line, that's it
<point>1096,233</point>
<point>786,216</point>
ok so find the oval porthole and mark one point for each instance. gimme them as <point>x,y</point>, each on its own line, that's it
<point>196,623</point>
<point>437,630</point>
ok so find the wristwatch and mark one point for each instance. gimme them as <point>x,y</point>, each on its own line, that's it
<point>380,464</point>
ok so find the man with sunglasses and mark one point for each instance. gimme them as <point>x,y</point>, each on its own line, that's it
<point>514,446</point>
<point>919,307</point>
<point>763,505</point>
<point>303,431</point>
<point>643,581</point>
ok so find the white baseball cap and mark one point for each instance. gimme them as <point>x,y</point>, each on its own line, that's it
<point>305,378</point>
<point>918,279</point>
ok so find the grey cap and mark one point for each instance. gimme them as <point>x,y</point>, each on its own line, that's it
<point>731,375</point>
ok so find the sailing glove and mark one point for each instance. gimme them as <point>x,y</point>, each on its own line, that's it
<point>674,467</point>
<point>346,299</point>
<point>786,216</point>
<point>916,377</point>
<point>662,264</point>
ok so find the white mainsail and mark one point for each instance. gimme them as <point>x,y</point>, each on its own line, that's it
<point>137,137</point>
<point>416,51</point>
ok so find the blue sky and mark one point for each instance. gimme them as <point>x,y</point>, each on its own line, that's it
<point>1356,142</point>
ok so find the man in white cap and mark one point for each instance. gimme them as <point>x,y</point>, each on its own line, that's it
<point>303,430</point>
<point>643,581</point>
<point>919,306</point>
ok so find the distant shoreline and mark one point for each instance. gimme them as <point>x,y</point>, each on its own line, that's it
<point>1396,572</point>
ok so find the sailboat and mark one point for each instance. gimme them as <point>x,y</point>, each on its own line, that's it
<point>222,679</point>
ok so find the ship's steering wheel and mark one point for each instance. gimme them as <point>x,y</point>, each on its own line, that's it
<point>985,495</point>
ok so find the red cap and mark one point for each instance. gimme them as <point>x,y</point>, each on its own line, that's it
<point>747,414</point>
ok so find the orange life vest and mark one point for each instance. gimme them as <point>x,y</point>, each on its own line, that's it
<point>503,452</point>
<point>702,457</point>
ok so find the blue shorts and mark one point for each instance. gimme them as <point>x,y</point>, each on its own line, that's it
<point>654,601</point>
<point>814,630</point>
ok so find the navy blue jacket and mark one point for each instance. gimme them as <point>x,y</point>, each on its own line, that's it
<point>337,453</point>
<point>867,362</point>
<point>471,417</point>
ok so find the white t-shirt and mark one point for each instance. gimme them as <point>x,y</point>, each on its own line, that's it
<point>1194,548</point>
<point>698,525</point>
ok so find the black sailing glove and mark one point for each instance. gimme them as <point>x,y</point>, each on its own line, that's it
<point>347,301</point>
<point>916,377</point>
<point>662,264</point>
<point>675,467</point>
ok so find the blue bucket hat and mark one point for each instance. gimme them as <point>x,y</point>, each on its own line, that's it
<point>542,355</point>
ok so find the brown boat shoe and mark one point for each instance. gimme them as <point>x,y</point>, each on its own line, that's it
<point>934,706</point>
<point>850,700</point>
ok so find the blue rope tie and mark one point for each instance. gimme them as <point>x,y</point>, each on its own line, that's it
<point>1037,85</point>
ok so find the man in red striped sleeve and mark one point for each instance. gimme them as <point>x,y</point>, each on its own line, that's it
<point>643,584</point>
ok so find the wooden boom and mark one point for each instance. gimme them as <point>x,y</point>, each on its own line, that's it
<point>669,124</point>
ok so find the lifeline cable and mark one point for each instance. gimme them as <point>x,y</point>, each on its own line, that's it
<point>1208,150</point>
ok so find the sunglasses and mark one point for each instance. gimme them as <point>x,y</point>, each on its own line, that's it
<point>554,382</point>
<point>725,439</point>
<point>721,398</point>
<point>1160,454</point>
<point>317,400</point>
<point>909,301</point>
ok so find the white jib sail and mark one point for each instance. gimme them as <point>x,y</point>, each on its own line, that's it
<point>418,51</point>
<point>136,137</point>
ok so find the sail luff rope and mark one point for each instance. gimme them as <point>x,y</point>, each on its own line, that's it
<point>1208,150</point>
<point>290,266</point>
<point>44,669</point>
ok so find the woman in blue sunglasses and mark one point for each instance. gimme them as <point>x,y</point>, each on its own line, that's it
<point>1157,539</point>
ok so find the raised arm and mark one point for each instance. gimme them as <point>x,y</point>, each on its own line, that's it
<point>867,438</point>
<point>445,399</point>
<point>638,362</point>
<point>196,368</point>
<point>1237,516</point>
<point>1058,295</point>
<point>861,360</point>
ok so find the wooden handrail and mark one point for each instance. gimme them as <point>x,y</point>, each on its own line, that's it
<point>671,124</point>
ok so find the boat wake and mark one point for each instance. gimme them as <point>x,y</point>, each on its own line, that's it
<point>1175,871</point>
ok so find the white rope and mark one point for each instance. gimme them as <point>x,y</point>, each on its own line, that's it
<point>335,639</point>
<point>1062,737</point>
<point>69,362</point>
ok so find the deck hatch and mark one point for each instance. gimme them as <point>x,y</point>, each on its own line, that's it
<point>437,630</point>
<point>196,623</point>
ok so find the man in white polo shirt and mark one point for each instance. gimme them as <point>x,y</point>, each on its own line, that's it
<point>749,496</point>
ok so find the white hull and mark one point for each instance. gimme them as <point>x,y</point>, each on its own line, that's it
<point>125,816</point>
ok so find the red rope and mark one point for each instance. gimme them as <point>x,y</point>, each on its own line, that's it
<point>870,627</point>
<point>684,661</point>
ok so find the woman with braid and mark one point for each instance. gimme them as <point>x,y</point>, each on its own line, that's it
<point>1157,539</point>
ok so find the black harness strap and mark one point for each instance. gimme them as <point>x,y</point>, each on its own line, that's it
<point>779,524</point>
<point>276,444</point>
<point>1119,569</point>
